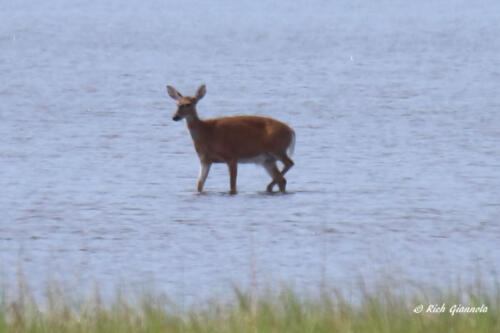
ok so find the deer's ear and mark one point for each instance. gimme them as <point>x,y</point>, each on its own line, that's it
<point>202,90</point>
<point>172,92</point>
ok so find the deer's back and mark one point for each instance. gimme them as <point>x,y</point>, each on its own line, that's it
<point>246,137</point>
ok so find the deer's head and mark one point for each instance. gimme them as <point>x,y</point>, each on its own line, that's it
<point>186,106</point>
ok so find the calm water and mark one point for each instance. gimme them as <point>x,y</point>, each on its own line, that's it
<point>396,107</point>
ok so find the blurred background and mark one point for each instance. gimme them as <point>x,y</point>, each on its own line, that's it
<point>395,105</point>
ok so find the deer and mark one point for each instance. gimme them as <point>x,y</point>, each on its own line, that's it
<point>236,139</point>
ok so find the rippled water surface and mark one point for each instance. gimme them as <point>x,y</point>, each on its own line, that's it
<point>395,106</point>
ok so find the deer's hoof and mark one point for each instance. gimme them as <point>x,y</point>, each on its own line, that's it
<point>282,185</point>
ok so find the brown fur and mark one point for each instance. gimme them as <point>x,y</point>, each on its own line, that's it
<point>231,139</point>
<point>223,139</point>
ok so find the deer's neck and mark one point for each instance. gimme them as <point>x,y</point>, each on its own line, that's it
<point>195,125</point>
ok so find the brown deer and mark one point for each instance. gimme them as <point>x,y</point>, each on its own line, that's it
<point>233,140</point>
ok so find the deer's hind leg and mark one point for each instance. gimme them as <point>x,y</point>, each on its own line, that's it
<point>287,162</point>
<point>276,175</point>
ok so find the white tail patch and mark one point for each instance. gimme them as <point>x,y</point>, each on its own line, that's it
<point>291,147</point>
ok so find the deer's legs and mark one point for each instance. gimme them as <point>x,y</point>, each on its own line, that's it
<point>233,172</point>
<point>276,175</point>
<point>288,163</point>
<point>204,169</point>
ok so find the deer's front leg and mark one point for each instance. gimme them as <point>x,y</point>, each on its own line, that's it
<point>233,171</point>
<point>204,169</point>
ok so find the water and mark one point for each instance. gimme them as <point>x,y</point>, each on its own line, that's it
<point>396,111</point>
